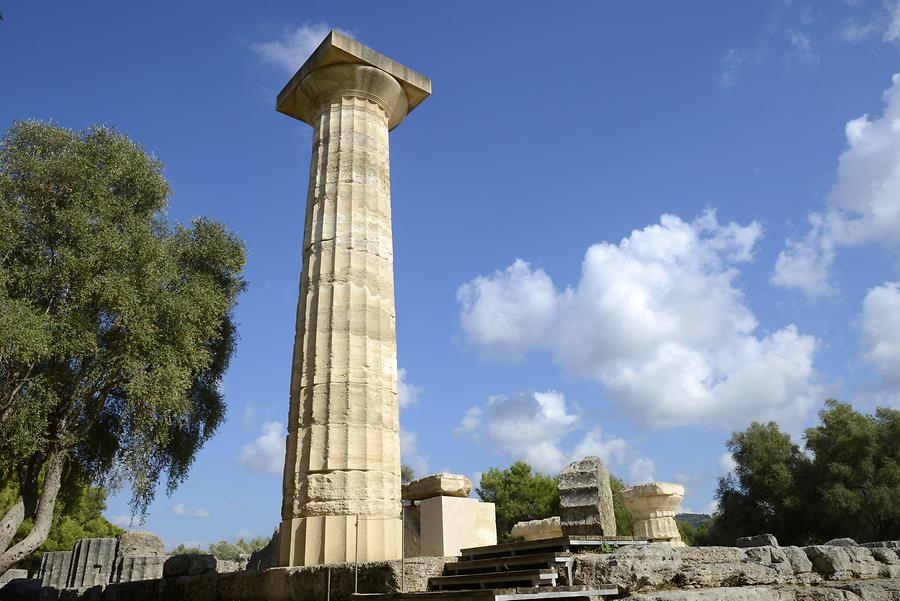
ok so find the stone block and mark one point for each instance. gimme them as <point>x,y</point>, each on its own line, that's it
<point>890,544</point>
<point>132,568</point>
<point>55,568</point>
<point>842,542</point>
<point>412,531</point>
<point>653,508</point>
<point>758,540</point>
<point>12,574</point>
<point>191,564</point>
<point>449,524</point>
<point>93,562</point>
<point>797,559</point>
<point>585,499</point>
<point>437,485</point>
<point>538,529</point>
<point>140,543</point>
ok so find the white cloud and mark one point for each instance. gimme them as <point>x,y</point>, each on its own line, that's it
<point>892,31</point>
<point>248,415</point>
<point>295,45</point>
<point>641,471</point>
<point>659,321</point>
<point>509,311</point>
<point>862,207</point>
<point>181,511</point>
<point>881,330</point>
<point>726,464</point>
<point>407,392</point>
<point>266,453</point>
<point>734,63</point>
<point>410,454</point>
<point>532,426</point>
<point>854,31</point>
<point>122,521</point>
<point>802,50</point>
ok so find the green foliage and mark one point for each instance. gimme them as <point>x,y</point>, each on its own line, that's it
<point>407,474</point>
<point>115,328</point>
<point>624,521</point>
<point>846,483</point>
<point>224,549</point>
<point>78,514</point>
<point>518,494</point>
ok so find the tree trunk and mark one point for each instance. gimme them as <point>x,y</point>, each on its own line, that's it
<point>43,516</point>
<point>11,522</point>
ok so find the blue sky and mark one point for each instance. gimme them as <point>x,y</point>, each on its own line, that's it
<point>619,229</point>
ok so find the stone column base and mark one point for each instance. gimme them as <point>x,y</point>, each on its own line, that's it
<point>332,539</point>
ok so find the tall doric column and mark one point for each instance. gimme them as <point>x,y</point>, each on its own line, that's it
<point>342,464</point>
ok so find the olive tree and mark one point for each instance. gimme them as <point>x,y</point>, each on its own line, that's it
<point>115,326</point>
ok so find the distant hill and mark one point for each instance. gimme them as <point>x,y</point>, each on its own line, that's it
<point>694,519</point>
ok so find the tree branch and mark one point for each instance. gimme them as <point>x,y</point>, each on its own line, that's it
<point>11,522</point>
<point>43,517</point>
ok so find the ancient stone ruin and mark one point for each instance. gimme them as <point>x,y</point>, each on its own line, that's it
<point>585,499</point>
<point>653,508</point>
<point>342,468</point>
<point>348,531</point>
<point>440,519</point>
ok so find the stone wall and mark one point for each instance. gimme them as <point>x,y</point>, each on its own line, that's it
<point>307,583</point>
<point>652,567</point>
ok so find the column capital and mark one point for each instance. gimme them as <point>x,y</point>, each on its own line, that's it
<point>341,64</point>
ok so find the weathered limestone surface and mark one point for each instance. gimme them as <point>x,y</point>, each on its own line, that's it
<point>412,531</point>
<point>55,568</point>
<point>12,574</point>
<point>653,507</point>
<point>649,567</point>
<point>140,543</point>
<point>308,583</point>
<point>841,542</point>
<point>448,524</point>
<point>342,464</point>
<point>759,540</point>
<point>129,568</point>
<point>537,529</point>
<point>585,499</point>
<point>93,561</point>
<point>437,485</point>
<point>872,590</point>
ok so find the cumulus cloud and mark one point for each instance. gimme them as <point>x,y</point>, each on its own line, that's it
<point>641,471</point>
<point>266,453</point>
<point>411,455</point>
<point>531,426</point>
<point>407,392</point>
<point>862,207</point>
<point>294,46</point>
<point>181,511</point>
<point>656,319</point>
<point>726,464</point>
<point>881,330</point>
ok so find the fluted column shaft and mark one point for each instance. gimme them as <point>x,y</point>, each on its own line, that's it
<point>343,447</point>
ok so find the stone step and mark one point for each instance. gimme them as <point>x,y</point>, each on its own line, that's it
<point>504,564</point>
<point>502,594</point>
<point>531,578</point>
<point>549,545</point>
